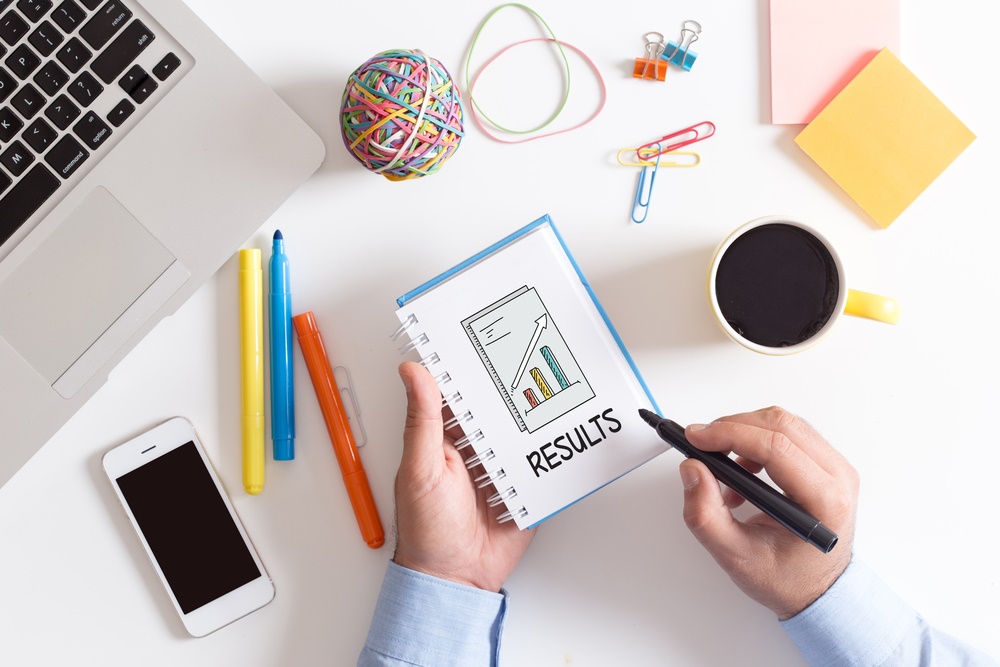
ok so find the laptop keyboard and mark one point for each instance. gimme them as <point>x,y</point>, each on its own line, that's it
<point>60,62</point>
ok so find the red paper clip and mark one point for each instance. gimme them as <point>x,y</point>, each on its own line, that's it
<point>672,142</point>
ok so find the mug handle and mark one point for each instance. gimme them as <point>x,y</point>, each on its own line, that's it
<point>872,306</point>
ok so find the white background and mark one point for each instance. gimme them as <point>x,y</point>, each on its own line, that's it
<point>617,579</point>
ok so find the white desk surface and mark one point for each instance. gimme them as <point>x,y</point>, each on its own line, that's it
<point>617,579</point>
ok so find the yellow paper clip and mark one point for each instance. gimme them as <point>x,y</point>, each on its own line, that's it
<point>644,157</point>
<point>651,67</point>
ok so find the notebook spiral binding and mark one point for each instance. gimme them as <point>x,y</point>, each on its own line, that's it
<point>462,420</point>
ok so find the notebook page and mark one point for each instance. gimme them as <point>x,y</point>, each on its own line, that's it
<point>523,343</point>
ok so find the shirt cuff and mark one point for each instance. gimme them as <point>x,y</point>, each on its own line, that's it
<point>857,621</point>
<point>423,620</point>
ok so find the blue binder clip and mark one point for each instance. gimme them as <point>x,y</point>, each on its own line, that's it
<point>679,53</point>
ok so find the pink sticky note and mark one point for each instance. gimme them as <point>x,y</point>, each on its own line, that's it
<point>818,46</point>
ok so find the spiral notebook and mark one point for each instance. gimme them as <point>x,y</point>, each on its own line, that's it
<point>534,372</point>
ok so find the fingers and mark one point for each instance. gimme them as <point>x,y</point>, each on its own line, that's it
<point>805,436</point>
<point>423,433</point>
<point>733,499</point>
<point>786,464</point>
<point>707,516</point>
<point>765,560</point>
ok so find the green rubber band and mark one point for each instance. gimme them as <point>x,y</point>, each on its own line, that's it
<point>468,62</point>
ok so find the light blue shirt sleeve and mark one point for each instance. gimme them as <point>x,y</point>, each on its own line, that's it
<point>423,620</point>
<point>861,622</point>
<point>858,622</point>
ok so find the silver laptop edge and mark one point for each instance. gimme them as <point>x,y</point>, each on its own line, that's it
<point>201,172</point>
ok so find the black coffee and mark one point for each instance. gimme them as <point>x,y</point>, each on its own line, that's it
<point>777,285</point>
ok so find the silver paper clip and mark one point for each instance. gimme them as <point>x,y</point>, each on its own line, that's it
<point>681,54</point>
<point>352,408</point>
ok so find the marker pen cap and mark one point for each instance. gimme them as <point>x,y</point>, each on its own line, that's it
<point>284,450</point>
<point>364,509</point>
<point>822,537</point>
<point>250,259</point>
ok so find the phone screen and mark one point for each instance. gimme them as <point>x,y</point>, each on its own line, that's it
<point>188,527</point>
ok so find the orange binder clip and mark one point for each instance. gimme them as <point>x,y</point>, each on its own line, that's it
<point>651,67</point>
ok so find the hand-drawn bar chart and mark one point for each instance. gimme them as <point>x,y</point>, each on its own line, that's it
<point>539,379</point>
<point>528,359</point>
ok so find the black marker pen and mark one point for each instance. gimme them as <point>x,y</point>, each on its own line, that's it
<point>767,499</point>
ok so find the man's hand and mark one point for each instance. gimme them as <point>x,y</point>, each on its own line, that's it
<point>768,562</point>
<point>445,527</point>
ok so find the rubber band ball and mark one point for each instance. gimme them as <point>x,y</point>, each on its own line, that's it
<point>401,115</point>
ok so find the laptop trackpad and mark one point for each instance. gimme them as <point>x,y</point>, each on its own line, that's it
<point>85,291</point>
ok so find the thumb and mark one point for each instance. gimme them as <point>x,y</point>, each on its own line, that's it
<point>706,513</point>
<point>424,431</point>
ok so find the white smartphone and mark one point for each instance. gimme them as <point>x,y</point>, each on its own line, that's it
<point>187,524</point>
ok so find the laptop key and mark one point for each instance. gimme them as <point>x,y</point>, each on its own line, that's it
<point>74,55</point>
<point>120,53</point>
<point>85,89</point>
<point>167,66</point>
<point>105,23</point>
<point>12,27</point>
<point>45,38</point>
<point>120,113</point>
<point>24,199</point>
<point>143,89</point>
<point>92,130</point>
<point>5,181</point>
<point>8,84</point>
<point>68,16</point>
<point>16,158</point>
<point>132,77</point>
<point>9,124</point>
<point>66,156</point>
<point>28,101</point>
<point>62,112</point>
<point>22,61</point>
<point>34,10</point>
<point>92,4</point>
<point>39,135</point>
<point>51,78</point>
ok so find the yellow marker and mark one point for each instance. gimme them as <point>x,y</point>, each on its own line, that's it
<point>252,365</point>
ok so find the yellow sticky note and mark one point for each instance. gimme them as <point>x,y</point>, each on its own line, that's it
<point>884,138</point>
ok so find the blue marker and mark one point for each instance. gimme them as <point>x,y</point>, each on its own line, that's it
<point>282,385</point>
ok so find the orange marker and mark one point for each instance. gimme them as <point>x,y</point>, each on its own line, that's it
<point>344,446</point>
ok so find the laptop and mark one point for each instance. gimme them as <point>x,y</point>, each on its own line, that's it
<point>137,153</point>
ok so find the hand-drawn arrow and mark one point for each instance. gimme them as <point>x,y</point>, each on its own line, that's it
<point>540,324</point>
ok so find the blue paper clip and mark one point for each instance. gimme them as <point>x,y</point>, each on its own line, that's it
<point>679,53</point>
<point>640,203</point>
